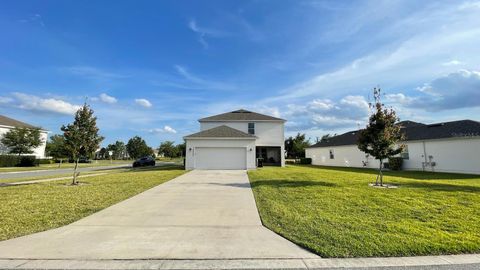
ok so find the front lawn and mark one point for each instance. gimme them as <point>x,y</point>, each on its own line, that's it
<point>333,211</point>
<point>66,165</point>
<point>38,207</point>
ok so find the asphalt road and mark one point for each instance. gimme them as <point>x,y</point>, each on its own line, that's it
<point>54,172</point>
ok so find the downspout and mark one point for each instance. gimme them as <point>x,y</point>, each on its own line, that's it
<point>424,155</point>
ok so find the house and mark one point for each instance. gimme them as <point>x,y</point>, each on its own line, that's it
<point>236,140</point>
<point>443,147</point>
<point>7,124</point>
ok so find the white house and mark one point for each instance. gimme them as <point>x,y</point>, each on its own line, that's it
<point>443,147</point>
<point>235,140</point>
<point>7,124</point>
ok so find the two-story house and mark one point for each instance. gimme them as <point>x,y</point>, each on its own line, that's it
<point>236,140</point>
<point>7,124</point>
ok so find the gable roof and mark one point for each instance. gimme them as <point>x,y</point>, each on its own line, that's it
<point>240,115</point>
<point>221,132</point>
<point>415,131</point>
<point>9,122</point>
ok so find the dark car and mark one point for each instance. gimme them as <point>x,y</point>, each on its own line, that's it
<point>144,161</point>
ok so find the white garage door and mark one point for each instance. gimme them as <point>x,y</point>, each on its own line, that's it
<point>220,158</point>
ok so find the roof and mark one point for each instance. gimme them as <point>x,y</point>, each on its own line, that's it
<point>7,121</point>
<point>415,131</point>
<point>221,132</point>
<point>240,115</point>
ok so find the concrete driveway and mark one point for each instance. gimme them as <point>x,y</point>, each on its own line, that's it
<point>199,215</point>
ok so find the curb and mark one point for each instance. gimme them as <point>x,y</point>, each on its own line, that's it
<point>460,262</point>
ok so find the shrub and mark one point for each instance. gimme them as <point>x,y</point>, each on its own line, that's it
<point>305,161</point>
<point>395,163</point>
<point>14,160</point>
<point>9,160</point>
<point>45,161</point>
<point>27,161</point>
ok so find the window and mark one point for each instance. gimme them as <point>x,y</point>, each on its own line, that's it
<point>332,154</point>
<point>251,128</point>
<point>404,153</point>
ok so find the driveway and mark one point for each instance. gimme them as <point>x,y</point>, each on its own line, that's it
<point>53,172</point>
<point>199,215</point>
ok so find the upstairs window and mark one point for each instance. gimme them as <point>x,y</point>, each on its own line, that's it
<point>332,154</point>
<point>251,128</point>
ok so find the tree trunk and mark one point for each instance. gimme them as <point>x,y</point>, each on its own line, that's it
<point>380,173</point>
<point>75,172</point>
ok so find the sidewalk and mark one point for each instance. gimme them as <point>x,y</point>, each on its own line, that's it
<point>448,262</point>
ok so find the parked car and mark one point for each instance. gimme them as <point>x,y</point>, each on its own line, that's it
<point>144,161</point>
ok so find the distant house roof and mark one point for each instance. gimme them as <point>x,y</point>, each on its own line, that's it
<point>9,122</point>
<point>240,115</point>
<point>221,132</point>
<point>415,131</point>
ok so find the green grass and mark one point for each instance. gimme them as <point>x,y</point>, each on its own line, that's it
<point>38,207</point>
<point>95,163</point>
<point>333,211</point>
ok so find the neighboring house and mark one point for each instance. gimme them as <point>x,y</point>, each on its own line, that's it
<point>443,147</point>
<point>7,124</point>
<point>235,140</point>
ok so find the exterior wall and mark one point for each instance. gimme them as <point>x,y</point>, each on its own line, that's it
<point>268,133</point>
<point>39,152</point>
<point>458,155</point>
<point>193,143</point>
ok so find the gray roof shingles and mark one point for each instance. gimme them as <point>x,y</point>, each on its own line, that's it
<point>240,115</point>
<point>221,132</point>
<point>7,121</point>
<point>415,131</point>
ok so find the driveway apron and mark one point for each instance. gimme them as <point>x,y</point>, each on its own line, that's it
<point>199,215</point>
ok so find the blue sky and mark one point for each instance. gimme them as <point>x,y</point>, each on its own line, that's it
<point>152,68</point>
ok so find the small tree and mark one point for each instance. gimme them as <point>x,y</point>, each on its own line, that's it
<point>81,137</point>
<point>55,148</point>
<point>379,139</point>
<point>21,140</point>
<point>118,149</point>
<point>295,146</point>
<point>168,149</point>
<point>137,147</point>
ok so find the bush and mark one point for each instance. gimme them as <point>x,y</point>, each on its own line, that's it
<point>27,161</point>
<point>45,161</point>
<point>19,161</point>
<point>395,163</point>
<point>9,160</point>
<point>305,161</point>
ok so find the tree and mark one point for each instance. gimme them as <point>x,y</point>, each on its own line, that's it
<point>295,146</point>
<point>102,153</point>
<point>168,149</point>
<point>21,140</point>
<point>81,136</point>
<point>182,149</point>
<point>118,149</point>
<point>379,139</point>
<point>55,148</point>
<point>137,147</point>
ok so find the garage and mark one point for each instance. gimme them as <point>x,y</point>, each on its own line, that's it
<point>220,148</point>
<point>220,158</point>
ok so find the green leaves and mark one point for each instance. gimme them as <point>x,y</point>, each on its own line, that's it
<point>22,140</point>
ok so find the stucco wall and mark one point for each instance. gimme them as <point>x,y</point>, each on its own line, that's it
<point>193,143</point>
<point>268,133</point>
<point>460,155</point>
<point>39,152</point>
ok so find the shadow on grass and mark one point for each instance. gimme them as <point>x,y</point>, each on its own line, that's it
<point>442,187</point>
<point>166,167</point>
<point>279,184</point>
<point>418,175</point>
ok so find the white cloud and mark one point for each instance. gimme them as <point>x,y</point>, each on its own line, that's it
<point>452,63</point>
<point>35,103</point>
<point>195,82</point>
<point>107,99</point>
<point>203,33</point>
<point>165,129</point>
<point>5,100</point>
<point>143,102</point>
